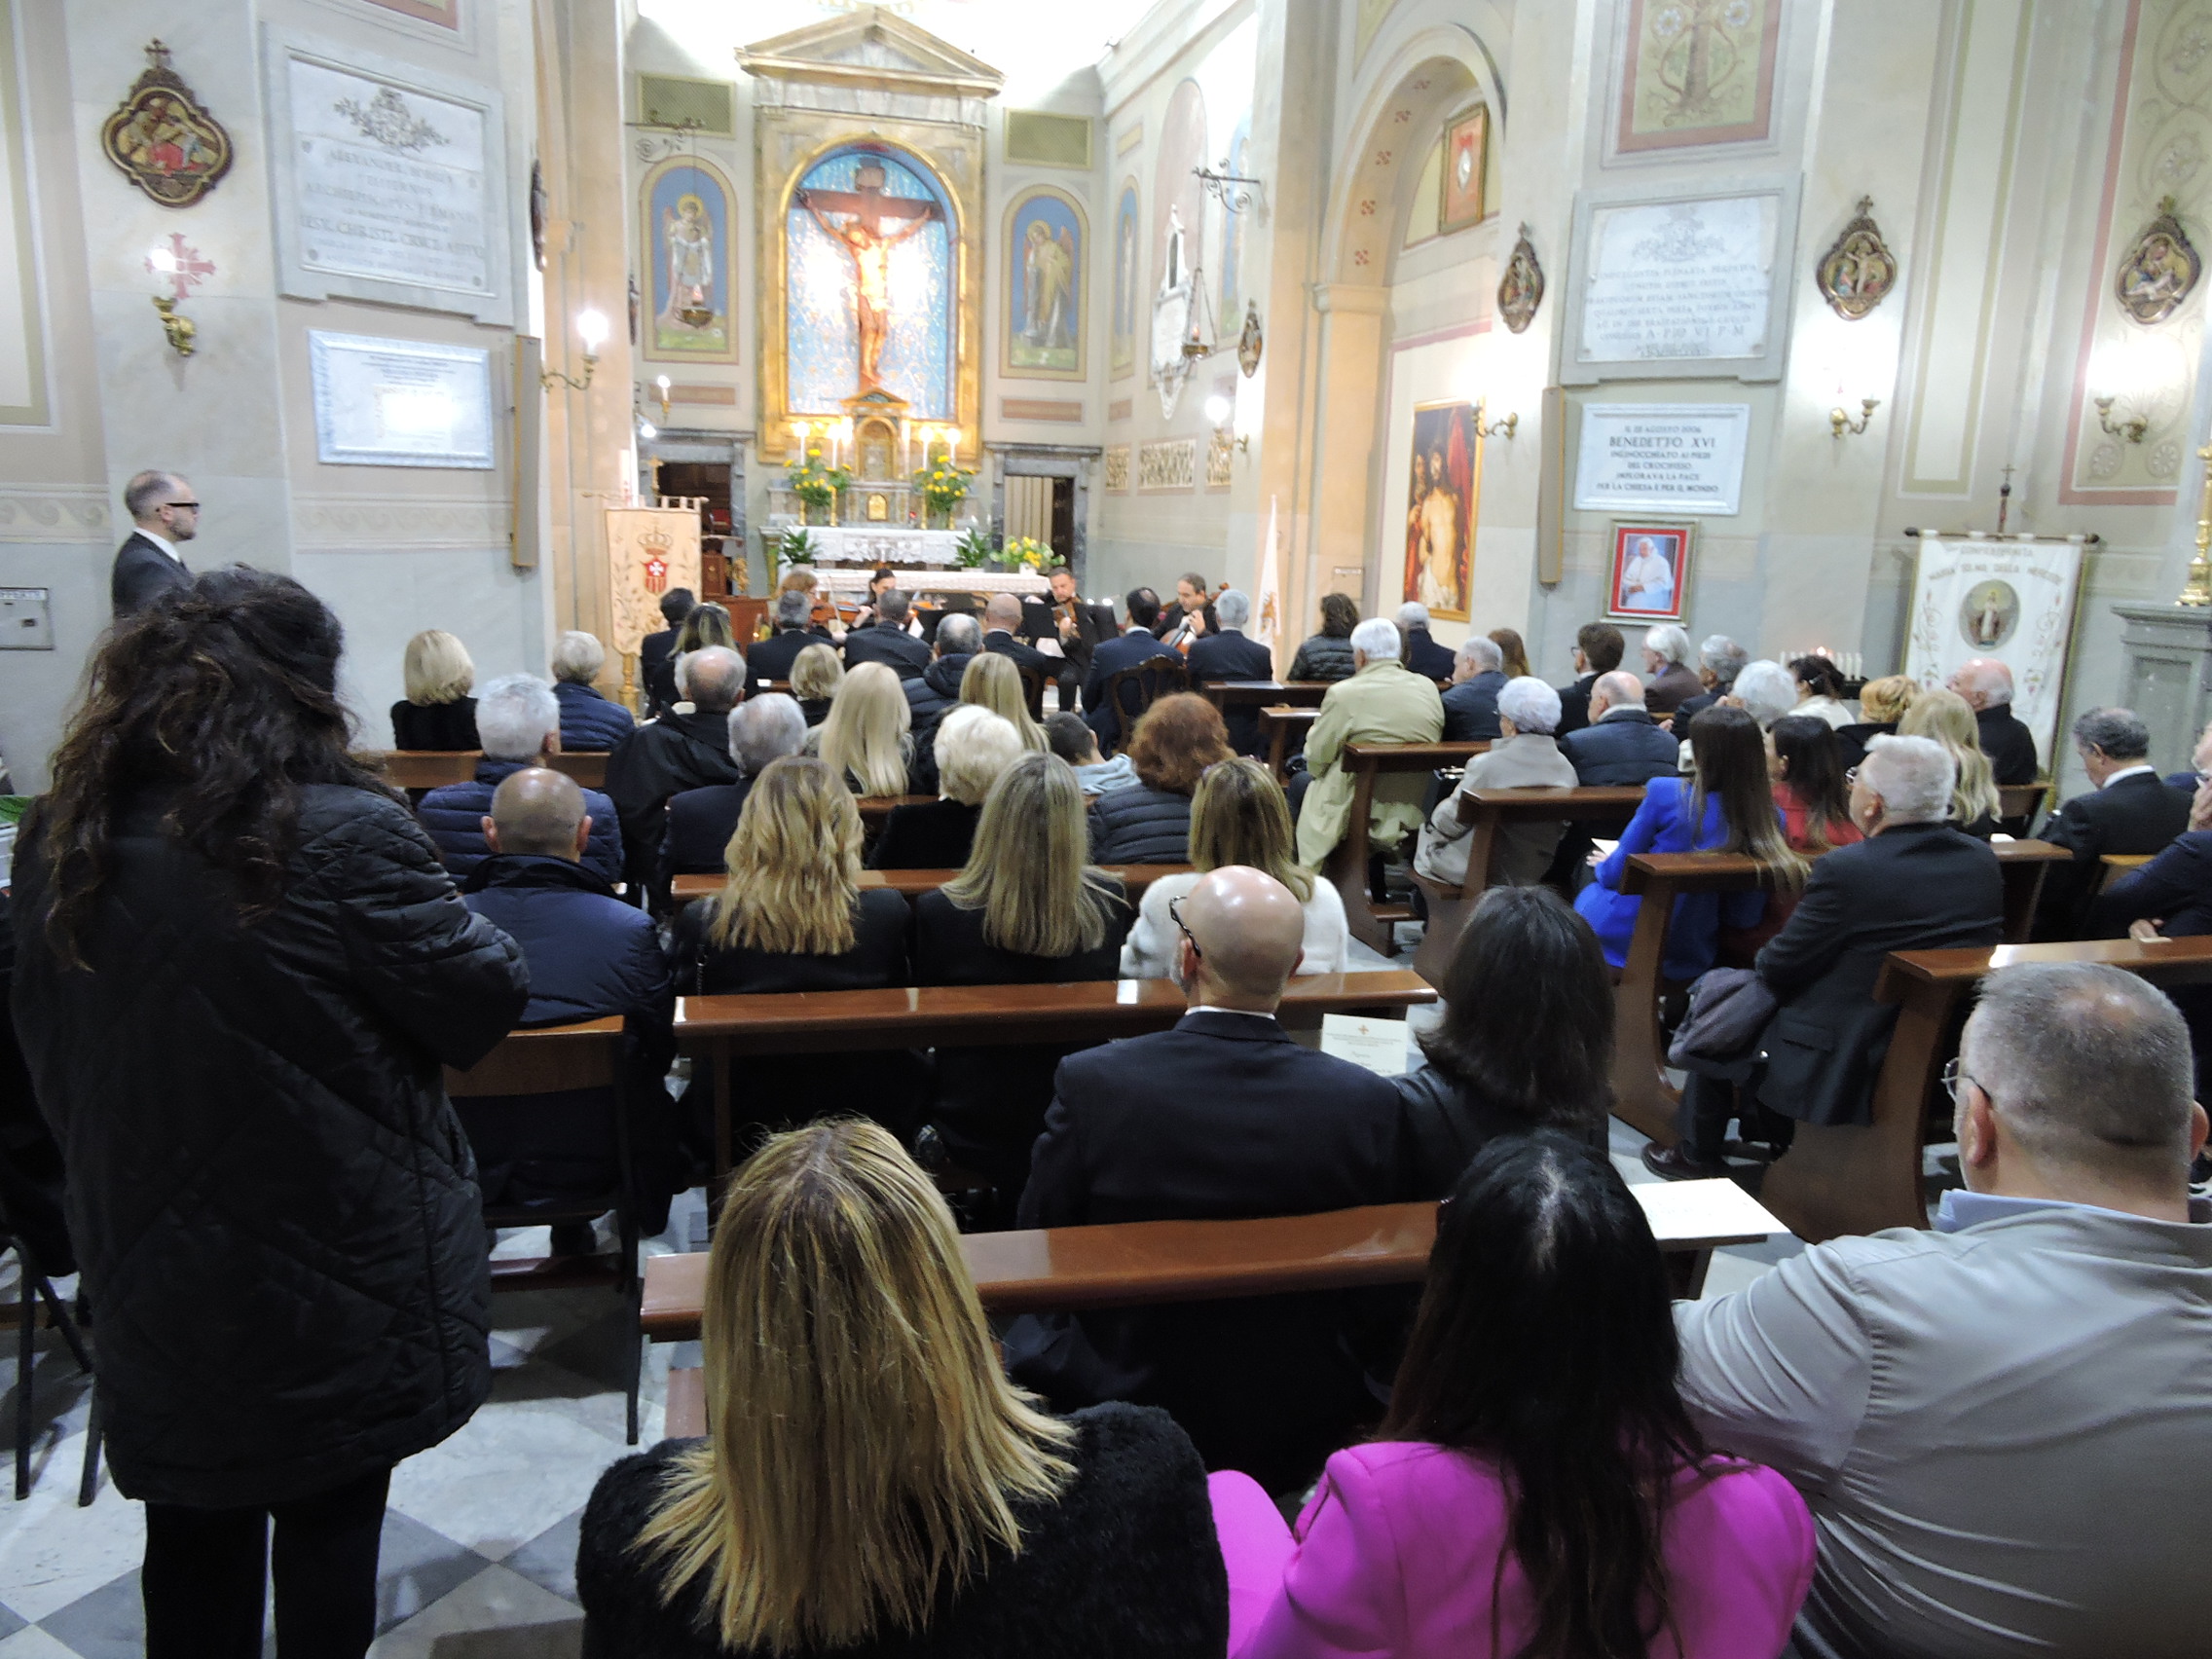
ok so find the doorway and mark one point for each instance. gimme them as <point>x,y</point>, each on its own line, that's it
<point>1043,508</point>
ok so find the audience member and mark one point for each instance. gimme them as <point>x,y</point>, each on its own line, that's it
<point>1598,650</point>
<point>772,658</point>
<point>1328,654</point>
<point>1002,623</point>
<point>656,652</point>
<point>2199,765</point>
<point>1765,691</point>
<point>1882,704</point>
<point>992,681</point>
<point>1526,1042</point>
<point>1622,744</point>
<point>1423,656</point>
<point>686,749</point>
<point>1078,745</point>
<point>1666,661</point>
<point>1537,1487</point>
<point>1945,717</point>
<point>1820,690</point>
<point>1509,641</point>
<point>1524,757</point>
<point>520,723</point>
<point>701,820</point>
<point>1913,884</point>
<point>2128,809</point>
<point>1725,805</point>
<point>1026,909</point>
<point>1238,817</point>
<point>1082,628</point>
<point>1470,702</point>
<point>437,712</point>
<point>590,721</point>
<point>1135,648</point>
<point>163,514</point>
<point>1226,654</point>
<point>590,956</point>
<point>239,967</point>
<point>1178,738</point>
<point>1986,684</point>
<point>1718,661</point>
<point>2171,897</point>
<point>816,673</point>
<point>888,638</point>
<point>1382,702</point>
<point>1190,617</point>
<point>703,626</point>
<point>1138,1130</point>
<point>2000,1424</point>
<point>866,739</point>
<point>870,1481</point>
<point>973,746</point>
<point>1805,767</point>
<point>958,638</point>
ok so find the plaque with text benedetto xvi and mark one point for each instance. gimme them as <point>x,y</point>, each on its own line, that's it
<point>1676,457</point>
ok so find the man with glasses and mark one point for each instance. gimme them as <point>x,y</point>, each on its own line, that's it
<point>163,512</point>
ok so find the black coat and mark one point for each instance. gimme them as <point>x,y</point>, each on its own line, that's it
<point>1425,657</point>
<point>1323,656</point>
<point>656,671</point>
<point>772,658</point>
<point>1851,741</point>
<point>933,834</point>
<point>1443,1124</point>
<point>1122,1565</point>
<point>662,759</point>
<point>1001,642</point>
<point>2174,890</point>
<point>990,1103</point>
<point>449,727</point>
<point>1470,708</point>
<point>2142,814</point>
<point>929,699</point>
<point>1624,748</point>
<point>700,824</point>
<point>1141,825</point>
<point>143,574</point>
<point>1913,887</point>
<point>1691,707</point>
<point>1109,659</point>
<point>2009,744</point>
<point>894,648</point>
<point>275,1207</point>
<point>1171,618</point>
<point>1223,1117</point>
<point>1230,655</point>
<point>1574,704</point>
<point>1094,625</point>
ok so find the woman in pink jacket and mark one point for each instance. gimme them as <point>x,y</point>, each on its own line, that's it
<point>1536,1491</point>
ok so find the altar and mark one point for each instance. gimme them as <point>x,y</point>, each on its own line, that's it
<point>852,583</point>
<point>872,545</point>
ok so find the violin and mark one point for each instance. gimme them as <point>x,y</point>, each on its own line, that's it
<point>1181,635</point>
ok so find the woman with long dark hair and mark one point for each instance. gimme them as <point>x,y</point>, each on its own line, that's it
<point>1536,1490</point>
<point>239,967</point>
<point>1805,761</point>
<point>1526,1043</point>
<point>1820,690</point>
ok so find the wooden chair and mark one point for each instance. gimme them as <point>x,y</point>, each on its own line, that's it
<point>588,766</point>
<point>2113,865</point>
<point>1033,684</point>
<point>587,1054</point>
<point>1132,690</point>
<point>2017,802</point>
<point>1374,919</point>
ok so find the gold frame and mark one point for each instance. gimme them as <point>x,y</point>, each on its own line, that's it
<point>1465,612</point>
<point>1478,117</point>
<point>1081,371</point>
<point>649,252</point>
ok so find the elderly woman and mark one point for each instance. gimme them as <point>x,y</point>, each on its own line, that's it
<point>866,739</point>
<point>589,721</point>
<point>1178,738</point>
<point>1327,655</point>
<point>701,820</point>
<point>438,711</point>
<point>1764,690</point>
<point>816,673</point>
<point>1525,756</point>
<point>973,746</point>
<point>1666,664</point>
<point>1882,704</point>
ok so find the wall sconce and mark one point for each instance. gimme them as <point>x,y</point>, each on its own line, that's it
<point>1499,428</point>
<point>1840,423</point>
<point>169,264</point>
<point>591,329</point>
<point>660,384</point>
<point>2128,431</point>
<point>1218,411</point>
<point>647,430</point>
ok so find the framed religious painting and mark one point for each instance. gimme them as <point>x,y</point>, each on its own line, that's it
<point>1466,153</point>
<point>1046,243</point>
<point>1442,494</point>
<point>1647,578</point>
<point>687,210</point>
<point>1124,353</point>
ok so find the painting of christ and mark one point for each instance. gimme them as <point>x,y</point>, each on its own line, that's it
<point>1125,353</point>
<point>1441,502</point>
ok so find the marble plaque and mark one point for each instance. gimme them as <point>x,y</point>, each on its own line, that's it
<point>1668,280</point>
<point>1676,457</point>
<point>401,402</point>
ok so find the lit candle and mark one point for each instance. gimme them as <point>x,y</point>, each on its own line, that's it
<point>952,446</point>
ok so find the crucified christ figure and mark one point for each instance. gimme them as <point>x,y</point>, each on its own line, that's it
<point>861,235</point>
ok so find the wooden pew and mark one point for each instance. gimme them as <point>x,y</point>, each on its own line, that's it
<point>1135,878</point>
<point>2018,801</point>
<point>978,1017</point>
<point>1375,924</point>
<point>1277,724</point>
<point>432,768</point>
<point>1488,811</point>
<point>1228,694</point>
<point>2117,865</point>
<point>874,809</point>
<point>1843,1178</point>
<point>1641,1096</point>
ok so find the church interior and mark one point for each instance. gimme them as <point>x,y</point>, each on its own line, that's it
<point>1859,341</point>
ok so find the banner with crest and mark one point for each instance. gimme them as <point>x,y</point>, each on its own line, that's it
<point>648,551</point>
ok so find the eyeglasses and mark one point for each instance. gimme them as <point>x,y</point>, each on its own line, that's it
<point>182,505</point>
<point>1176,915</point>
<point>1953,1077</point>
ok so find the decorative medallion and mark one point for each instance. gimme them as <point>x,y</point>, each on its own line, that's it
<point>1520,290</point>
<point>1252,342</point>
<point>1857,272</point>
<point>2160,269</point>
<point>163,140</point>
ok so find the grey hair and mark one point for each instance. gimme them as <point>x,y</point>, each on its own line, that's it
<point>1670,644</point>
<point>1234,607</point>
<point>1913,775</point>
<point>1723,658</point>
<point>893,605</point>
<point>1766,691</point>
<point>712,678</point>
<point>1529,704</point>
<point>148,491</point>
<point>514,715</point>
<point>1480,652</point>
<point>765,728</point>
<point>2120,732</point>
<point>972,747</point>
<point>958,633</point>
<point>794,605</point>
<point>1378,640</point>
<point>2086,1064</point>
<point>1989,677</point>
<point>1413,614</point>
<point>577,658</point>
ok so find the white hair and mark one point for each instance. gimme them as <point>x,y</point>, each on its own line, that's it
<point>1989,677</point>
<point>1378,639</point>
<point>1766,691</point>
<point>1480,652</point>
<point>712,677</point>
<point>1723,657</point>
<point>1529,704</point>
<point>1913,775</point>
<point>1234,607</point>
<point>1413,614</point>
<point>514,715</point>
<point>1668,644</point>
<point>765,728</point>
<point>973,746</point>
<point>959,634</point>
<point>577,658</point>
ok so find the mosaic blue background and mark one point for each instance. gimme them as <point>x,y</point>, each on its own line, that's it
<point>1057,217</point>
<point>668,190</point>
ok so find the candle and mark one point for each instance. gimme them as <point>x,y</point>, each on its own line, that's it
<point>952,446</point>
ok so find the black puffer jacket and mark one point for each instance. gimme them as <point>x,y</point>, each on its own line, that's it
<point>273,1205</point>
<point>1140,826</point>
<point>929,698</point>
<point>1324,656</point>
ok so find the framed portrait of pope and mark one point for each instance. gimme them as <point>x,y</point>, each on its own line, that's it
<point>1648,575</point>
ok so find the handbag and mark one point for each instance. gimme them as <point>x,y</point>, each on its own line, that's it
<point>1719,1037</point>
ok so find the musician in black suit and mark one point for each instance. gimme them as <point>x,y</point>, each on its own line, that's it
<point>886,640</point>
<point>1175,620</point>
<point>656,652</point>
<point>1223,1117</point>
<point>1132,648</point>
<point>164,513</point>
<point>1226,654</point>
<point>2130,809</point>
<point>1083,628</point>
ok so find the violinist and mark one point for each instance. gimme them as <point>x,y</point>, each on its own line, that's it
<point>1081,627</point>
<point>1190,617</point>
<point>880,584</point>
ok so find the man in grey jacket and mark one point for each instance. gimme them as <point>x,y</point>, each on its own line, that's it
<point>2004,1426</point>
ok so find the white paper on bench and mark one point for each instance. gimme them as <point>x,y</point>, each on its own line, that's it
<point>1366,1040</point>
<point>1703,1209</point>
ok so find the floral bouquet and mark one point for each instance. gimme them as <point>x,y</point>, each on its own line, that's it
<point>943,485</point>
<point>1027,553</point>
<point>812,482</point>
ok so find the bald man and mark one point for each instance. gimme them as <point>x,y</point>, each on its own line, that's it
<point>1986,684</point>
<point>1002,622</point>
<point>1222,1117</point>
<point>1622,745</point>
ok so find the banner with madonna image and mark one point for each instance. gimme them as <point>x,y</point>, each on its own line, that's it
<point>2010,601</point>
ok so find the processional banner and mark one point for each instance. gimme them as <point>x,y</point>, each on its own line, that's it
<point>2009,600</point>
<point>648,551</point>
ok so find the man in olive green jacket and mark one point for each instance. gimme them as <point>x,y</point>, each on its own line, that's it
<point>1382,702</point>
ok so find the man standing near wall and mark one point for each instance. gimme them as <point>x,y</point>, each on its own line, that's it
<point>148,564</point>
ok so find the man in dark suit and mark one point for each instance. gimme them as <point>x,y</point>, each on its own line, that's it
<point>1913,884</point>
<point>701,820</point>
<point>772,658</point>
<point>886,640</point>
<point>1002,622</point>
<point>656,652</point>
<point>1622,745</point>
<point>1423,656</point>
<point>1226,654</point>
<point>164,513</point>
<point>1082,628</point>
<point>1191,613</point>
<point>929,699</point>
<point>676,752</point>
<point>1987,686</point>
<point>1471,701</point>
<point>1598,650</point>
<point>1223,1117</point>
<point>2129,809</point>
<point>1134,648</point>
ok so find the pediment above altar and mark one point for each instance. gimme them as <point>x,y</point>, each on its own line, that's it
<point>872,50</point>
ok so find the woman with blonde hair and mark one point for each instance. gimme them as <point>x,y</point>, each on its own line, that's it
<point>871,1482</point>
<point>973,746</point>
<point>1178,738</point>
<point>1028,909</point>
<point>1948,719</point>
<point>1882,703</point>
<point>1238,817</point>
<point>864,740</point>
<point>816,673</point>
<point>992,681</point>
<point>438,711</point>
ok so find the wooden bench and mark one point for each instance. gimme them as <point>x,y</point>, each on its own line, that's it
<point>2113,865</point>
<point>1375,924</point>
<point>1277,724</point>
<point>1135,878</point>
<point>1228,694</point>
<point>1488,811</point>
<point>433,768</point>
<point>1844,1178</point>
<point>874,809</point>
<point>727,1028</point>
<point>1641,1096</point>
<point>2018,801</point>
